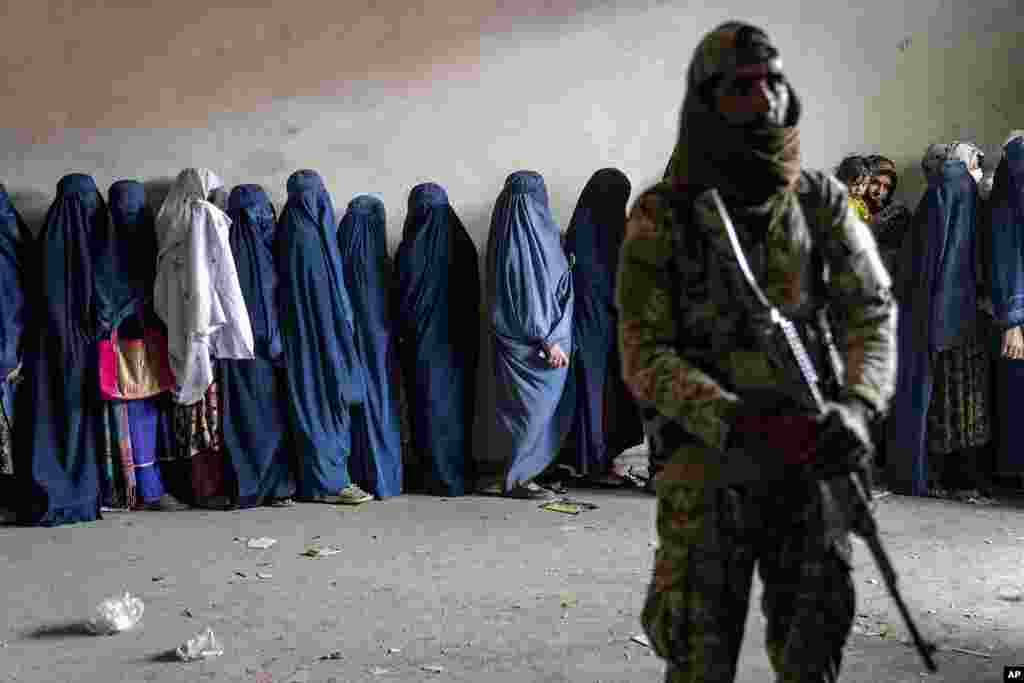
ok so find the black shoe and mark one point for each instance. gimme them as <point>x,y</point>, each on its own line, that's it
<point>529,491</point>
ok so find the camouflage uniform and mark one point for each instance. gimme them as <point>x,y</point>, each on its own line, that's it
<point>691,353</point>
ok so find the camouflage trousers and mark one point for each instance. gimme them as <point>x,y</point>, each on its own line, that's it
<point>711,539</point>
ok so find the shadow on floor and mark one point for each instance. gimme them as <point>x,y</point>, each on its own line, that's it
<point>165,657</point>
<point>69,629</point>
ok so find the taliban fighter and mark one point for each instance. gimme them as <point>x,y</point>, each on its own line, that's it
<point>695,355</point>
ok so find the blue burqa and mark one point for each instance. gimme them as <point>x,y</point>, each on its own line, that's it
<point>323,368</point>
<point>15,246</point>
<point>935,283</point>
<point>376,460</point>
<point>123,286</point>
<point>126,266</point>
<point>530,304</point>
<point>1006,218</point>
<point>58,428</point>
<point>253,392</point>
<point>594,238</point>
<point>437,321</point>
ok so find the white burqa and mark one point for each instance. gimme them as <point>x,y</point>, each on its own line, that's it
<point>197,294</point>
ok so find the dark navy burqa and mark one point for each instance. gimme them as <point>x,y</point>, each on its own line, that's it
<point>123,288</point>
<point>935,284</point>
<point>594,238</point>
<point>437,319</point>
<point>126,267</point>
<point>253,392</point>
<point>1006,218</point>
<point>376,460</point>
<point>15,246</point>
<point>530,304</point>
<point>58,427</point>
<point>324,371</point>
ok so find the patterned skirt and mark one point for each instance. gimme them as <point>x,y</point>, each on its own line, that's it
<point>6,428</point>
<point>959,416</point>
<point>198,443</point>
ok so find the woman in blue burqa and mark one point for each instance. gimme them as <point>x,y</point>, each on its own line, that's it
<point>253,395</point>
<point>15,246</point>
<point>437,321</point>
<point>322,364</point>
<point>940,414</point>
<point>376,460</point>
<point>1006,221</point>
<point>136,433</point>
<point>607,421</point>
<point>530,305</point>
<point>59,406</point>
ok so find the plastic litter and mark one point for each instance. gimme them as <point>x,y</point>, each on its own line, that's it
<point>202,645</point>
<point>433,669</point>
<point>965,651</point>
<point>641,639</point>
<point>317,550</point>
<point>569,506</point>
<point>114,615</point>
<point>260,543</point>
<point>1011,594</point>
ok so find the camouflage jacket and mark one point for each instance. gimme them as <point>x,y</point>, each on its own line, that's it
<point>689,332</point>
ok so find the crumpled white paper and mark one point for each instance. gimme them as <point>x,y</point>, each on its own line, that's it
<point>114,615</point>
<point>202,645</point>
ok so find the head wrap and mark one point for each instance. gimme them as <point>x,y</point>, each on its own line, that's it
<point>1014,134</point>
<point>936,155</point>
<point>749,165</point>
<point>175,215</point>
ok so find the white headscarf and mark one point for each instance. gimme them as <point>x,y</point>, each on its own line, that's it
<point>197,293</point>
<point>191,190</point>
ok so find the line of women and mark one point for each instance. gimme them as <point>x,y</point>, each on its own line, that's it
<point>959,279</point>
<point>289,341</point>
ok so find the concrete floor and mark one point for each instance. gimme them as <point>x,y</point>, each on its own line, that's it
<point>488,589</point>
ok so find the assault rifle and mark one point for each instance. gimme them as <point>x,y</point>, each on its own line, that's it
<point>842,475</point>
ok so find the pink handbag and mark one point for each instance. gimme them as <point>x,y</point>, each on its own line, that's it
<point>134,368</point>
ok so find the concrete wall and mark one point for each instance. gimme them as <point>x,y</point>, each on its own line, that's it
<point>948,87</point>
<point>380,96</point>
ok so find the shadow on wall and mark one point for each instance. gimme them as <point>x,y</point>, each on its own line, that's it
<point>157,190</point>
<point>32,205</point>
<point>477,221</point>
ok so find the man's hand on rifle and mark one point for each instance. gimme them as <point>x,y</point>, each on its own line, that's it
<point>844,437</point>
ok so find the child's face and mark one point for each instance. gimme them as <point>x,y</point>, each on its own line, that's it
<point>858,185</point>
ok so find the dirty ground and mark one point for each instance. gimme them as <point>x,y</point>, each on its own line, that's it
<point>470,589</point>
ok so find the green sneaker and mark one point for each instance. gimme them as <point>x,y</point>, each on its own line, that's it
<point>353,495</point>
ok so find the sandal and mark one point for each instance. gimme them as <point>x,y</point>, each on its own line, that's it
<point>286,502</point>
<point>529,491</point>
